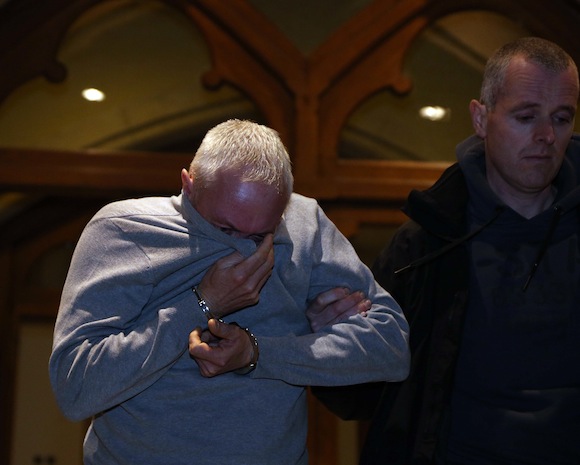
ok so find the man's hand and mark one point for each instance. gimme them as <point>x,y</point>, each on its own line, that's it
<point>222,348</point>
<point>335,305</point>
<point>233,282</point>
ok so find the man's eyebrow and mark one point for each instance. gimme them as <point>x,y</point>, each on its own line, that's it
<point>569,108</point>
<point>524,106</point>
<point>532,105</point>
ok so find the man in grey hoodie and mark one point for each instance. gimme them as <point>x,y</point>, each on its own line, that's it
<point>186,323</point>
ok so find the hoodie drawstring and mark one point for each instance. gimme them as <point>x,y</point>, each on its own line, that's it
<point>443,250</point>
<point>555,219</point>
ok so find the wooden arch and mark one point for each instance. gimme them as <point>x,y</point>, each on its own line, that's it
<point>308,99</point>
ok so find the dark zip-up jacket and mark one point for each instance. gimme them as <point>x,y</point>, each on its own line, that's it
<point>407,421</point>
<point>425,268</point>
<point>403,427</point>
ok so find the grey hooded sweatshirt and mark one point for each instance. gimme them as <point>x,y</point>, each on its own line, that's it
<point>121,338</point>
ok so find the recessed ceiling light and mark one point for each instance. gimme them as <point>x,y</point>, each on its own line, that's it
<point>435,113</point>
<point>93,95</point>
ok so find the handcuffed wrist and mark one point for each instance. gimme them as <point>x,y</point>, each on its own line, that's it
<point>202,304</point>
<point>255,353</point>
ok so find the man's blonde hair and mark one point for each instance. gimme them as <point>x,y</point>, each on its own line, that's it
<point>252,150</point>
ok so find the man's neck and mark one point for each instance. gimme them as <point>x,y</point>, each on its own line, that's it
<point>529,205</point>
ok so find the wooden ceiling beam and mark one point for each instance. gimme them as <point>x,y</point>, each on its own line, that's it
<point>91,171</point>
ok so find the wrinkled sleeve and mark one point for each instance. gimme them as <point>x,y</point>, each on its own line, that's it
<point>359,350</point>
<point>105,348</point>
<point>359,401</point>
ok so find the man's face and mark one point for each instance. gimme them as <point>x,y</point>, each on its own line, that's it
<point>527,132</point>
<point>247,210</point>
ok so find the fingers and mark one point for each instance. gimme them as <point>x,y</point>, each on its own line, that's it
<point>229,260</point>
<point>329,297</point>
<point>336,305</point>
<point>260,262</point>
<point>221,330</point>
<point>195,337</point>
<point>355,303</point>
<point>231,350</point>
<point>257,268</point>
<point>203,354</point>
<point>234,282</point>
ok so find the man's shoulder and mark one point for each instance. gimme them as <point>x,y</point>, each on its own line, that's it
<point>302,214</point>
<point>442,205</point>
<point>145,206</point>
<point>299,203</point>
<point>302,199</point>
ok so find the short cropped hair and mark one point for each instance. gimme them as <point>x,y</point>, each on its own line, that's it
<point>252,150</point>
<point>533,49</point>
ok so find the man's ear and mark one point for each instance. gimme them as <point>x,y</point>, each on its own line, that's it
<point>478,117</point>
<point>186,182</point>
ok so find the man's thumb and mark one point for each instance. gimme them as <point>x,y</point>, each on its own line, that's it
<point>219,328</point>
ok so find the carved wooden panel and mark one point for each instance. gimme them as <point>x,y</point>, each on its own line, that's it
<point>307,98</point>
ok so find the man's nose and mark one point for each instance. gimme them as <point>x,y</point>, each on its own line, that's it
<point>545,132</point>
